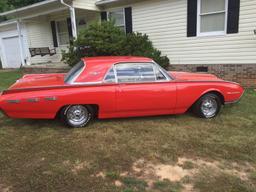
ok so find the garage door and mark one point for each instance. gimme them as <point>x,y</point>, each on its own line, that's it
<point>12,52</point>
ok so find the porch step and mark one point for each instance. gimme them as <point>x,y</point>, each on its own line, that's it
<point>46,68</point>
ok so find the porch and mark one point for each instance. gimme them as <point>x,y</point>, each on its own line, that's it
<point>40,32</point>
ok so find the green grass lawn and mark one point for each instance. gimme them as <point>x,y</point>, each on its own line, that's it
<point>167,153</point>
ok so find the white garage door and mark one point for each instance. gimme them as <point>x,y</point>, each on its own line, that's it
<point>12,52</point>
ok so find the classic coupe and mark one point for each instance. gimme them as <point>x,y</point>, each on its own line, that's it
<point>115,87</point>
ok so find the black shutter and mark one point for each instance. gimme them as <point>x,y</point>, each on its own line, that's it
<point>233,16</point>
<point>70,33</point>
<point>103,16</point>
<point>128,19</point>
<point>191,18</point>
<point>54,34</point>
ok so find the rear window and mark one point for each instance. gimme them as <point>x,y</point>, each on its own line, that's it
<point>74,72</point>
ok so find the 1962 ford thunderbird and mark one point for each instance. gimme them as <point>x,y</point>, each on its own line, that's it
<point>112,87</point>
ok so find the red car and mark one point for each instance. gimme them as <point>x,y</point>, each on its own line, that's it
<point>112,87</point>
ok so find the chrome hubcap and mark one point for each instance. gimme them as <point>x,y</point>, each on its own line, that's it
<point>209,107</point>
<point>77,115</point>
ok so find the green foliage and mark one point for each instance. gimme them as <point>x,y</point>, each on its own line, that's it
<point>104,39</point>
<point>22,3</point>
<point>112,175</point>
<point>139,44</point>
<point>134,184</point>
<point>6,5</point>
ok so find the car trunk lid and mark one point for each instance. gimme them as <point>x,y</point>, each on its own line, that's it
<point>38,80</point>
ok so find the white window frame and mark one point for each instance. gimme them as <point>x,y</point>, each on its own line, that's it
<point>117,9</point>
<point>57,32</point>
<point>213,33</point>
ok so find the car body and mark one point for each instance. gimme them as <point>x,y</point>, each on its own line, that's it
<point>114,87</point>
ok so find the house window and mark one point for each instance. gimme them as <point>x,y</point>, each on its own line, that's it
<point>118,17</point>
<point>62,32</point>
<point>212,17</point>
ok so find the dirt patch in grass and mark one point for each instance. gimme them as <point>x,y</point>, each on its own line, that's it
<point>157,175</point>
<point>181,177</point>
<point>78,166</point>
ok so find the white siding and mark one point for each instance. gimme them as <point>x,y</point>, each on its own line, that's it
<point>85,4</point>
<point>40,35</point>
<point>165,21</point>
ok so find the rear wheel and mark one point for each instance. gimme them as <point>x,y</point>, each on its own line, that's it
<point>77,116</point>
<point>208,106</point>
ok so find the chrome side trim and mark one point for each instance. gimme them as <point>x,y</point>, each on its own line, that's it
<point>13,101</point>
<point>33,100</point>
<point>89,83</point>
<point>50,98</point>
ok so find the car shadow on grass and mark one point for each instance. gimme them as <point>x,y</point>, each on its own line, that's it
<point>98,123</point>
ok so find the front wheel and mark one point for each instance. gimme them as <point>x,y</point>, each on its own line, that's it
<point>208,106</point>
<point>77,116</point>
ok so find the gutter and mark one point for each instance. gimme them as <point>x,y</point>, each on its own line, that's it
<point>65,4</point>
<point>8,22</point>
<point>104,2</point>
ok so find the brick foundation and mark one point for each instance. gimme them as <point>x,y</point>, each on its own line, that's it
<point>245,74</point>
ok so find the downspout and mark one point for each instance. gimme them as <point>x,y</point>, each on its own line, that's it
<point>72,16</point>
<point>20,43</point>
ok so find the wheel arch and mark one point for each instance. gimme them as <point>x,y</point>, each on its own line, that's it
<point>94,107</point>
<point>213,91</point>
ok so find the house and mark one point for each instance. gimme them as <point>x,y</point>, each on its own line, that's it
<point>216,36</point>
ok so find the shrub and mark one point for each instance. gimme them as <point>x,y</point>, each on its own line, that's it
<point>104,39</point>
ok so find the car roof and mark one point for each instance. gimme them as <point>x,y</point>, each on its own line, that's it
<point>109,60</point>
<point>97,67</point>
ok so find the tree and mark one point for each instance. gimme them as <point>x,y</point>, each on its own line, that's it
<point>104,39</point>
<point>22,3</point>
<point>6,5</point>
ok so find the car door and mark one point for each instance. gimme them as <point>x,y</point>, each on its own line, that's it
<point>143,89</point>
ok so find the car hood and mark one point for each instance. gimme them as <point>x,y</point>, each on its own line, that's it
<point>186,76</point>
<point>38,80</point>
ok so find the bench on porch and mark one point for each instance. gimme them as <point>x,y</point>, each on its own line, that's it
<point>42,51</point>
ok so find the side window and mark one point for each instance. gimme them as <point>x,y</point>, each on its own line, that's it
<point>135,72</point>
<point>110,77</point>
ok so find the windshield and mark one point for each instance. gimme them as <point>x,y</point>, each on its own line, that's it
<point>74,72</point>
